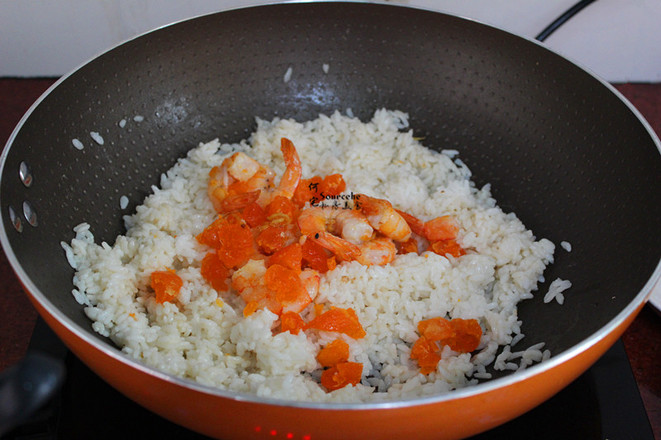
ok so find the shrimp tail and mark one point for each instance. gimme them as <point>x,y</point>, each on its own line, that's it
<point>292,175</point>
<point>384,218</point>
<point>417,226</point>
<point>344,249</point>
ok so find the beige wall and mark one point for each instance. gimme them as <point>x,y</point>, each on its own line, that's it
<point>616,39</point>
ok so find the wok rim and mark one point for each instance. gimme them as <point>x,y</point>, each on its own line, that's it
<point>491,385</point>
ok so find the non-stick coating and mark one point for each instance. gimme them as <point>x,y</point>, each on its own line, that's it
<point>559,148</point>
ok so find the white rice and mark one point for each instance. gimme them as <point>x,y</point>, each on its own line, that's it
<point>566,245</point>
<point>96,137</point>
<point>203,335</point>
<point>555,291</point>
<point>288,74</point>
<point>77,144</point>
<point>123,202</point>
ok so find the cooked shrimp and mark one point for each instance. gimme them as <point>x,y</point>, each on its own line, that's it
<point>439,228</point>
<point>248,280</point>
<point>342,248</point>
<point>238,174</point>
<point>351,225</point>
<point>417,226</point>
<point>233,202</point>
<point>250,284</point>
<point>322,223</point>
<point>440,234</point>
<point>241,166</point>
<point>379,251</point>
<point>384,218</point>
<point>217,188</point>
<point>262,181</point>
<point>293,172</point>
<point>310,280</point>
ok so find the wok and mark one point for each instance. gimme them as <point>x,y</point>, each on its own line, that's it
<point>561,148</point>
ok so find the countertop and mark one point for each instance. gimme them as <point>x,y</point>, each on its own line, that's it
<point>642,341</point>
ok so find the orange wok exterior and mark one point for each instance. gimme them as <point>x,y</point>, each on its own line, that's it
<point>224,417</point>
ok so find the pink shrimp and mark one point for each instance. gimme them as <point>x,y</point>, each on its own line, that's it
<point>248,281</point>
<point>351,225</point>
<point>310,279</point>
<point>293,172</point>
<point>249,278</point>
<point>337,230</point>
<point>378,251</point>
<point>417,226</point>
<point>217,186</point>
<point>438,228</point>
<point>289,181</point>
<point>384,218</point>
<point>344,249</point>
<point>241,180</point>
<point>237,175</point>
<point>233,202</point>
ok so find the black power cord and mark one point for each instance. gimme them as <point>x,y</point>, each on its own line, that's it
<point>569,13</point>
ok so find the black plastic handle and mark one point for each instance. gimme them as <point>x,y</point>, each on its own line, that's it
<point>26,386</point>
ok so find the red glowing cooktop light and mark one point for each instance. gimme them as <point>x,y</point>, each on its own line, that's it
<point>288,436</point>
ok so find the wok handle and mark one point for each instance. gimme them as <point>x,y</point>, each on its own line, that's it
<point>26,386</point>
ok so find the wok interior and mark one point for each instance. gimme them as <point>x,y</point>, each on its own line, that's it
<point>559,148</point>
